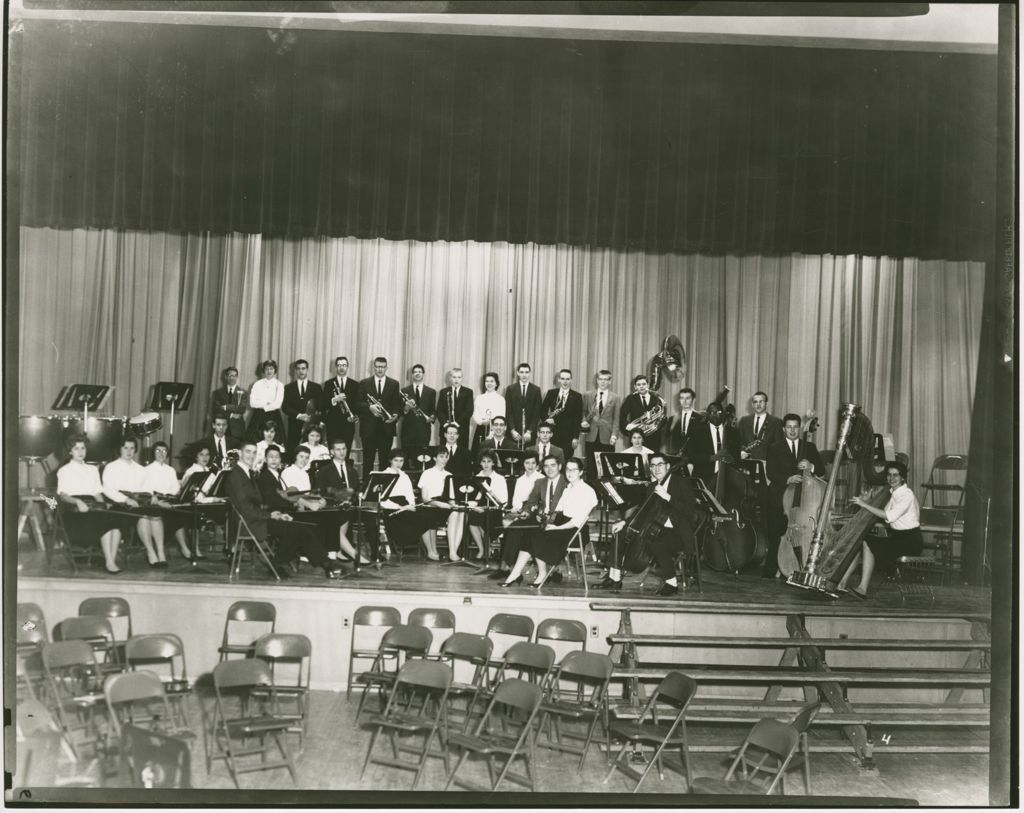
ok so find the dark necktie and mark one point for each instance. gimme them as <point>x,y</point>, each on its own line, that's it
<point>220,448</point>
<point>561,401</point>
<point>643,400</point>
<point>685,416</point>
<point>302,389</point>
<point>344,474</point>
<point>544,453</point>
<point>600,403</point>
<point>551,495</point>
<point>718,438</point>
<point>252,476</point>
<point>380,388</point>
<point>524,391</point>
<point>417,393</point>
<point>792,448</point>
<point>757,427</point>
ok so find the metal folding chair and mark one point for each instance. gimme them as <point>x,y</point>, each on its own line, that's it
<point>243,619</point>
<point>113,608</point>
<point>585,701</point>
<point>378,617</point>
<point>399,644</point>
<point>75,685</point>
<point>473,651</point>
<point>97,632</point>
<point>434,619</point>
<point>290,658</point>
<point>244,537</point>
<point>768,749</point>
<point>166,652</point>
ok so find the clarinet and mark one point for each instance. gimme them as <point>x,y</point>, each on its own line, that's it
<point>522,434</point>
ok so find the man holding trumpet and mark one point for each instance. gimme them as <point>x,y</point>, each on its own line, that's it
<point>419,407</point>
<point>379,406</point>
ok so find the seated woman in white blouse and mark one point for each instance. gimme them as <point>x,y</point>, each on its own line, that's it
<point>265,399</point>
<point>269,430</point>
<point>159,478</point>
<point>317,450</point>
<point>201,462</point>
<point>636,445</point>
<point>488,405</point>
<point>481,518</point>
<point>435,510</point>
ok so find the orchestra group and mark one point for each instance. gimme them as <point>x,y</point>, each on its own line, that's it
<point>537,501</point>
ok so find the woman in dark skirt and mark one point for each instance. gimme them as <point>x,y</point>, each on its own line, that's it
<point>902,516</point>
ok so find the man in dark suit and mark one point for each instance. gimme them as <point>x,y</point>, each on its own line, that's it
<point>459,459</point>
<point>231,402</point>
<point>760,430</point>
<point>337,480</point>
<point>635,405</point>
<point>338,404</point>
<point>293,538</point>
<point>544,445</point>
<point>522,405</point>
<point>297,397</point>
<point>564,405</point>
<point>600,424</point>
<point>499,439</point>
<point>674,535</point>
<point>377,420</point>
<point>682,428</point>
<point>712,439</point>
<point>415,431</point>
<point>787,460</point>
<point>543,499</point>
<point>219,442</point>
<point>455,405</point>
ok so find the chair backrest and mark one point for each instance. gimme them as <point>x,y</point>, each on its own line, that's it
<point>803,719</point>
<point>108,607</point>
<point>427,674</point>
<point>676,689</point>
<point>535,660</point>
<point>153,760</point>
<point>943,483</point>
<point>31,624</point>
<point>433,618</point>
<point>158,646</point>
<point>84,627</point>
<point>245,615</point>
<point>126,687</point>
<point>289,650</point>
<point>562,629</point>
<point>241,673</point>
<point>412,640</point>
<point>61,654</point>
<point>511,624</point>
<point>776,739</point>
<point>520,694</point>
<point>591,666</point>
<point>467,646</point>
<point>371,616</point>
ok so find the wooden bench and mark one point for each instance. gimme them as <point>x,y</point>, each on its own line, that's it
<point>747,642</point>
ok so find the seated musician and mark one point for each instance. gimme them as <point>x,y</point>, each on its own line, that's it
<point>125,474</point>
<point>293,538</point>
<point>675,534</point>
<point>481,518</point>
<point>520,495</point>
<point>78,484</point>
<point>338,480</point>
<point>269,429</point>
<point>902,516</point>
<point>459,461</point>
<point>535,511</point>
<point>161,479</point>
<point>201,462</point>
<point>636,445</point>
<point>317,450</point>
<point>435,510</point>
<point>544,445</point>
<point>296,476</point>
<point>499,438</point>
<point>548,544</point>
<point>402,521</point>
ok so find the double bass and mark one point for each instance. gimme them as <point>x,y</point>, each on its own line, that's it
<point>800,503</point>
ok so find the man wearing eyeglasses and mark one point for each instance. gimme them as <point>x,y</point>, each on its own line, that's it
<point>675,533</point>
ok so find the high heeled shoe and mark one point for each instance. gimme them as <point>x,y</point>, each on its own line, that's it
<point>515,581</point>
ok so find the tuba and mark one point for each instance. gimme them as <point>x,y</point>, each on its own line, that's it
<point>650,421</point>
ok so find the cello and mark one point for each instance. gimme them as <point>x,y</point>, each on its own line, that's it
<point>642,526</point>
<point>800,503</point>
<point>734,542</point>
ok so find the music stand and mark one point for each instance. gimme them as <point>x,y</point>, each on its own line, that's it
<point>84,397</point>
<point>418,458</point>
<point>174,396</point>
<point>509,461</point>
<point>460,490</point>
<point>378,487</point>
<point>755,469</point>
<point>625,464</point>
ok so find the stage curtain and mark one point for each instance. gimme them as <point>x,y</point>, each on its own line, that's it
<point>898,337</point>
<point>680,148</point>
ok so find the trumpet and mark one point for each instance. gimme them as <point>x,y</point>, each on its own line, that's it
<point>414,408</point>
<point>558,410</point>
<point>372,401</point>
<point>343,403</point>
<point>649,421</point>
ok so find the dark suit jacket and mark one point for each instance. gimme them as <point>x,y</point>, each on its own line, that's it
<point>771,432</point>
<point>462,414</point>
<point>506,443</point>
<point>682,503</point>
<point>781,465</point>
<point>338,424</point>
<point>293,405</point>
<point>602,426</point>
<point>674,435</point>
<point>567,422</point>
<point>701,451</point>
<point>416,431</point>
<point>327,478</point>
<point>537,495</point>
<point>461,462</point>
<point>633,408</point>
<point>514,405</point>
<point>222,405</point>
<point>553,450</point>
<point>245,496</point>
<point>210,442</point>
<point>369,424</point>
<point>269,488</point>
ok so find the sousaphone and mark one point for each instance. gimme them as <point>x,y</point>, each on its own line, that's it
<point>669,363</point>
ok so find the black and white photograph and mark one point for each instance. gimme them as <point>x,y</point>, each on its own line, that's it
<point>539,403</point>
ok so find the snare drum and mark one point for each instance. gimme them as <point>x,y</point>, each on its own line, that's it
<point>103,436</point>
<point>145,423</point>
<point>39,436</point>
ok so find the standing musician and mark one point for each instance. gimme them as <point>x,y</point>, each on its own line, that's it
<point>487,405</point>
<point>713,441</point>
<point>760,430</point>
<point>419,412</point>
<point>637,404</point>
<point>340,395</point>
<point>302,400</point>
<point>339,481</point>
<point>266,397</point>
<point>682,428</point>
<point>293,538</point>
<point>77,482</point>
<point>220,442</point>
<point>600,422</point>
<point>379,407</point>
<point>230,401</point>
<point>563,406</point>
<point>499,439</point>
<point>787,460</point>
<point>459,460</point>
<point>674,535</point>
<point>548,544</point>
<point>545,447</point>
<point>538,507</point>
<point>435,510</point>
<point>125,474</point>
<point>522,405</point>
<point>487,516</point>
<point>455,405</point>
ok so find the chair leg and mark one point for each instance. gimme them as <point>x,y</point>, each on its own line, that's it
<point>807,762</point>
<point>369,750</point>
<point>615,763</point>
<point>451,777</point>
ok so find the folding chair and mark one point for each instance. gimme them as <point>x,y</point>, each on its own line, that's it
<point>419,683</point>
<point>562,629</point>
<point>244,537</point>
<point>802,758</point>
<point>164,649</point>
<point>239,716</point>
<point>676,690</point>
<point>31,635</point>
<point>403,640</point>
<point>523,660</point>
<point>76,690</point>
<point>240,620</point>
<point>475,652</point>
<point>583,671</point>
<point>150,759</point>
<point>434,620</point>
<point>98,633</point>
<point>773,745</point>
<point>513,708</point>
<point>111,607</point>
<point>509,626</point>
<point>380,617</point>
<point>289,693</point>
<point>575,548</point>
<point>134,698</point>
<point>944,463</point>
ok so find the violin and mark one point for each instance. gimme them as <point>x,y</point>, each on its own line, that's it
<point>800,503</point>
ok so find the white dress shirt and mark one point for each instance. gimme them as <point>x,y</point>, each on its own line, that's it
<point>267,395</point>
<point>524,486</point>
<point>432,483</point>
<point>294,477</point>
<point>576,502</point>
<point>643,450</point>
<point>403,488</point>
<point>498,485</point>
<point>78,479</point>
<point>122,475</point>
<point>492,401</point>
<point>902,512</point>
<point>159,478</point>
<point>318,452</point>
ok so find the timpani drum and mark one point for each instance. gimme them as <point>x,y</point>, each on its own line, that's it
<point>145,423</point>
<point>39,436</point>
<point>103,435</point>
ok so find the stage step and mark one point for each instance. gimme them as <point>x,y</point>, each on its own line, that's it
<point>716,641</point>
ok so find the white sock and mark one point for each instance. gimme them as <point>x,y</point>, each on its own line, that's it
<point>614,574</point>
<point>672,582</point>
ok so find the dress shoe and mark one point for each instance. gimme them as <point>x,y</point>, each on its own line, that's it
<point>498,575</point>
<point>609,584</point>
<point>161,564</point>
<point>332,572</point>
<point>668,590</point>
<point>112,572</point>
<point>555,577</point>
<point>515,581</point>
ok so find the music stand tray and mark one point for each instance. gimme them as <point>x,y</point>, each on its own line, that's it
<point>625,464</point>
<point>171,395</point>
<point>509,461</point>
<point>462,490</point>
<point>82,397</point>
<point>378,486</point>
<point>418,458</point>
